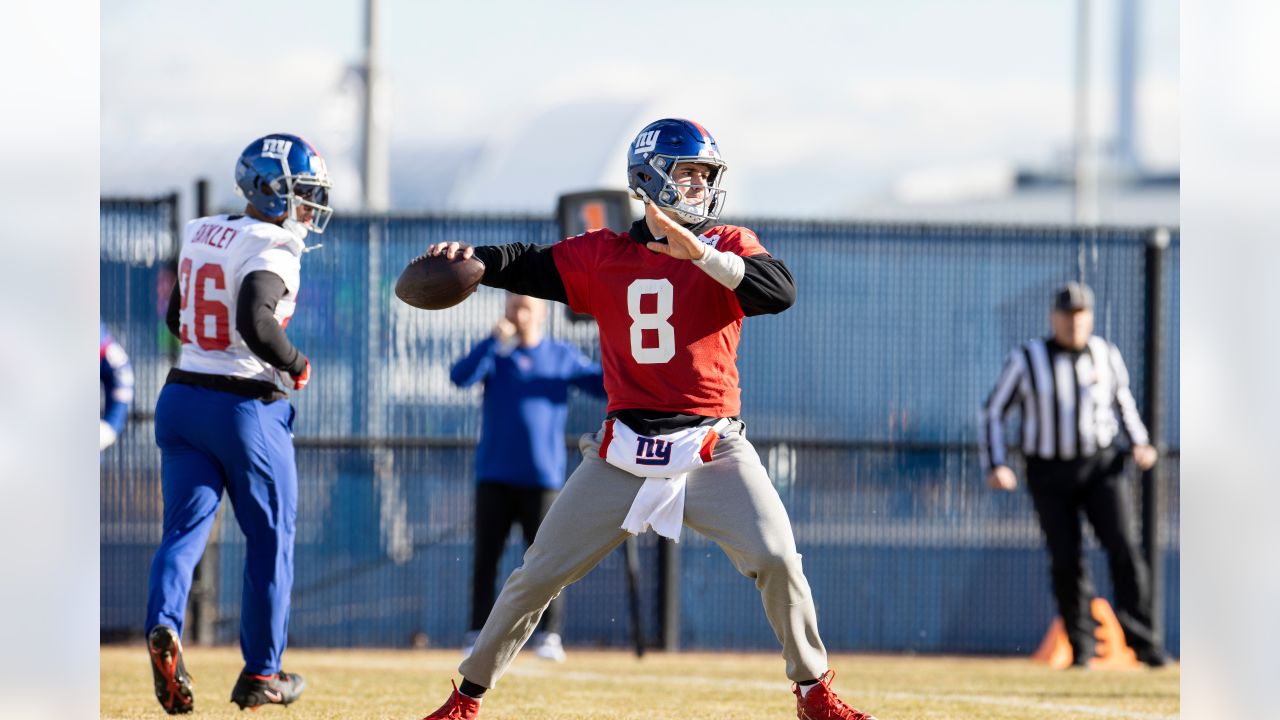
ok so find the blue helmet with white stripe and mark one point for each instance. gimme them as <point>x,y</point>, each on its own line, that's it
<point>651,162</point>
<point>281,175</point>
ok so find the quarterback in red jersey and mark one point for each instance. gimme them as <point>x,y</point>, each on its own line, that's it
<point>668,330</point>
<point>669,296</point>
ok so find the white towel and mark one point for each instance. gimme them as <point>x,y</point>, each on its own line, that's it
<point>658,505</point>
<point>664,462</point>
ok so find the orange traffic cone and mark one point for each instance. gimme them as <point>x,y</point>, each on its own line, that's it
<point>1112,651</point>
<point>1054,650</point>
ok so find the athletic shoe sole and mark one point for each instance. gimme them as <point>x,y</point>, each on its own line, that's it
<point>173,684</point>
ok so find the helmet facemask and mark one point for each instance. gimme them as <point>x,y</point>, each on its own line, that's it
<point>305,191</point>
<point>707,200</point>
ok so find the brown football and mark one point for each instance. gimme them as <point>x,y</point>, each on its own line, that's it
<point>433,282</point>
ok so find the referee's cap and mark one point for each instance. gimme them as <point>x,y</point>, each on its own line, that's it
<point>1072,297</point>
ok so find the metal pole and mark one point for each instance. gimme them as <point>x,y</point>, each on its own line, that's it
<point>204,582</point>
<point>669,591</point>
<point>1086,170</point>
<point>173,200</point>
<point>1126,151</point>
<point>392,519</point>
<point>202,197</point>
<point>633,594</point>
<point>1153,479</point>
<point>375,135</point>
<point>175,227</point>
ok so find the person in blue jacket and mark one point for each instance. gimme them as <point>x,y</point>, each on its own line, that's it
<point>116,375</point>
<point>520,462</point>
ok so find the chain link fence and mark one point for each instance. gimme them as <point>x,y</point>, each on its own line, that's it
<point>862,400</point>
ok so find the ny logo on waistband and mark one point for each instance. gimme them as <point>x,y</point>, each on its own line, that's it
<point>652,451</point>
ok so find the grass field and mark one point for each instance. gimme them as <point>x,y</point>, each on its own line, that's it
<point>612,685</point>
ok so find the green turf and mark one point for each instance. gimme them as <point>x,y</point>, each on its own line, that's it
<point>358,684</point>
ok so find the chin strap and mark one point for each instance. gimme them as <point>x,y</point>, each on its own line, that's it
<point>298,229</point>
<point>703,226</point>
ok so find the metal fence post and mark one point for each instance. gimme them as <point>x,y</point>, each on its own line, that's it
<point>202,197</point>
<point>669,593</point>
<point>204,583</point>
<point>1153,480</point>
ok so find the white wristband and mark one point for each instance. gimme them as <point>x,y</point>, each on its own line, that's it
<point>725,268</point>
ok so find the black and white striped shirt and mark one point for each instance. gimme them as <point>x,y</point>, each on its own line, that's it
<point>1068,400</point>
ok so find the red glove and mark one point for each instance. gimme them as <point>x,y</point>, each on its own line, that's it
<point>300,381</point>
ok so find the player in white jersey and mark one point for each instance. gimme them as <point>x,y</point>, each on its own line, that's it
<point>223,422</point>
<point>218,254</point>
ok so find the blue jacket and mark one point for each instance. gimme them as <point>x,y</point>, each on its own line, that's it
<point>526,395</point>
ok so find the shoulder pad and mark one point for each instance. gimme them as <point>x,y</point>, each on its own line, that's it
<point>274,235</point>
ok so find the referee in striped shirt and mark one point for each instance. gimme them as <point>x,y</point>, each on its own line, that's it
<point>1070,387</point>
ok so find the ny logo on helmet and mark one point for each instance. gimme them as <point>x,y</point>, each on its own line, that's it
<point>276,147</point>
<point>646,141</point>
<point>652,451</point>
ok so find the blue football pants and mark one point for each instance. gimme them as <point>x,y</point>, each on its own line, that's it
<point>210,441</point>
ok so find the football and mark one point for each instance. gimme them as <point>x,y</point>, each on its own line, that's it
<point>436,282</point>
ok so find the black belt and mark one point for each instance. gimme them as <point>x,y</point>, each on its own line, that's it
<point>1106,453</point>
<point>1107,461</point>
<point>244,387</point>
<point>652,423</point>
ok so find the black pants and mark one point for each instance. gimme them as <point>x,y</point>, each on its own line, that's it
<point>497,507</point>
<point>1061,489</point>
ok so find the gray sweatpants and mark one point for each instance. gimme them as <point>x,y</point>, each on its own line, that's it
<point>729,500</point>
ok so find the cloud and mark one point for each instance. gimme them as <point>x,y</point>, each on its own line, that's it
<point>829,111</point>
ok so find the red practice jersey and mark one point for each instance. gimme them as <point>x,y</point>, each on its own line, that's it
<point>668,332</point>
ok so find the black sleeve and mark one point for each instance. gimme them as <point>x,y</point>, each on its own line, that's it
<point>171,319</point>
<point>522,268</point>
<point>767,287</point>
<point>256,322</point>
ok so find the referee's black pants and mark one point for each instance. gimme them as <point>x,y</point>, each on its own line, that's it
<point>498,506</point>
<point>1061,490</point>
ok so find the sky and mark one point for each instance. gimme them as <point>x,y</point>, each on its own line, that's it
<point>820,108</point>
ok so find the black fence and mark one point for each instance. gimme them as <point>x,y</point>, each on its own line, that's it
<point>862,401</point>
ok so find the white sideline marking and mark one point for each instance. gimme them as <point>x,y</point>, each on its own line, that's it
<point>1074,710</point>
<point>1012,702</point>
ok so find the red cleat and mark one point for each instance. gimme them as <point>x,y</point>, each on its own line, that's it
<point>821,703</point>
<point>457,707</point>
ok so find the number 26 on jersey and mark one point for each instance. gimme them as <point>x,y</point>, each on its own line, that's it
<point>212,319</point>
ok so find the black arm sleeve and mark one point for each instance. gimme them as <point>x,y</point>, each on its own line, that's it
<point>256,322</point>
<point>767,287</point>
<point>171,319</point>
<point>522,268</point>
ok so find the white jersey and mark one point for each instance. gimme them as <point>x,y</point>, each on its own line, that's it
<point>218,252</point>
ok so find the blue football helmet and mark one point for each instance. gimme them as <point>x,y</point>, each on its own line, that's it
<point>280,173</point>
<point>651,159</point>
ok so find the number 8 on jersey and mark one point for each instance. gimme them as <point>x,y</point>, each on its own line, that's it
<point>659,320</point>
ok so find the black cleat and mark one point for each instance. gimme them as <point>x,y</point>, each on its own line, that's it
<point>173,684</point>
<point>254,691</point>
